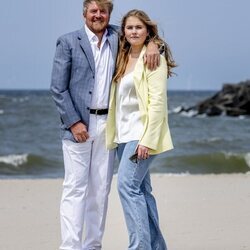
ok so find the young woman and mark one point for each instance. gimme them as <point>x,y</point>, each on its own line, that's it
<point>138,126</point>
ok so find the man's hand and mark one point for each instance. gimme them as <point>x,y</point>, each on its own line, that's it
<point>79,131</point>
<point>152,56</point>
<point>142,152</point>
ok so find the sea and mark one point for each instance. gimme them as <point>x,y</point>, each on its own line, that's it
<point>30,145</point>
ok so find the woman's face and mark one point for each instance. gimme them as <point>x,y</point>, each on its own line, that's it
<point>135,31</point>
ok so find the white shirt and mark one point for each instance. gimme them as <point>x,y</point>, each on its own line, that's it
<point>104,64</point>
<point>129,126</point>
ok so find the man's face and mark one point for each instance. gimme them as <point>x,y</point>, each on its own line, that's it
<point>97,17</point>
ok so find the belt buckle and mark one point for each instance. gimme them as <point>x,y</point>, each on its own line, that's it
<point>96,112</point>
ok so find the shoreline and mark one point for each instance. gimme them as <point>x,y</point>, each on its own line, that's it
<point>197,212</point>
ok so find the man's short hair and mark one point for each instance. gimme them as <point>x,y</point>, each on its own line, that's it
<point>106,3</point>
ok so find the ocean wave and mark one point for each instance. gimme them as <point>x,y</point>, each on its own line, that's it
<point>1,111</point>
<point>14,160</point>
<point>177,109</point>
<point>190,113</point>
<point>20,99</point>
<point>247,159</point>
<point>213,139</point>
<point>242,117</point>
<point>213,163</point>
<point>178,175</point>
<point>187,112</point>
<point>181,110</point>
<point>207,140</point>
<point>27,164</point>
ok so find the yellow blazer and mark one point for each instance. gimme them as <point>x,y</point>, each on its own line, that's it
<point>151,91</point>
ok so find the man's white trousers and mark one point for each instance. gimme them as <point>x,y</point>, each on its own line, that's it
<point>88,175</point>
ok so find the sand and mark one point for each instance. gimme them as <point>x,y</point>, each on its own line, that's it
<point>197,212</point>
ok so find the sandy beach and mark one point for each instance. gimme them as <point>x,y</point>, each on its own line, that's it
<point>197,212</point>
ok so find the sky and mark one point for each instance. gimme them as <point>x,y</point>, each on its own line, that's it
<point>210,40</point>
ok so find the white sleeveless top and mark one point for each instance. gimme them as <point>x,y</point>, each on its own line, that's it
<point>129,126</point>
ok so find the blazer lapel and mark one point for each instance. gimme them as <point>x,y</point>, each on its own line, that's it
<point>138,72</point>
<point>86,47</point>
<point>113,41</point>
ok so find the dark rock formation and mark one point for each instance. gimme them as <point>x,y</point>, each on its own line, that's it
<point>232,100</point>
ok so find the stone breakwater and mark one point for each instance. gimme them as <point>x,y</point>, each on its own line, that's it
<point>232,100</point>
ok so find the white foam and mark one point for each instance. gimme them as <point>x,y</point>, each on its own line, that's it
<point>1,111</point>
<point>177,109</point>
<point>242,117</point>
<point>15,160</point>
<point>190,113</point>
<point>21,99</point>
<point>214,139</point>
<point>247,159</point>
<point>228,155</point>
<point>177,174</point>
<point>202,116</point>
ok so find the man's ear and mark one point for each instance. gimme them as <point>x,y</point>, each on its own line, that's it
<point>84,16</point>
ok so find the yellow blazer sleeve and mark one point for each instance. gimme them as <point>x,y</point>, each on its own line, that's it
<point>157,105</point>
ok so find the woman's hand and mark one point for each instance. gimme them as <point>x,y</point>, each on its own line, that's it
<point>142,152</point>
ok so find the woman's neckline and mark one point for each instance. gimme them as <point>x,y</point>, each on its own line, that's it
<point>130,72</point>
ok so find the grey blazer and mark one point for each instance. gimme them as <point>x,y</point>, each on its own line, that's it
<point>73,77</point>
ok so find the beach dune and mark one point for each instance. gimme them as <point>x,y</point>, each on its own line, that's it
<point>197,212</point>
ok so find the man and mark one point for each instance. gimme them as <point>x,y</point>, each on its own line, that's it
<point>82,72</point>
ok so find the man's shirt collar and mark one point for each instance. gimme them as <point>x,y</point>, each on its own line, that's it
<point>92,36</point>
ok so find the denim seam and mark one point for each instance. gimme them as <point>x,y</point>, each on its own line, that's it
<point>139,221</point>
<point>154,219</point>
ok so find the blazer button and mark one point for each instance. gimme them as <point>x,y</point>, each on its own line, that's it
<point>90,92</point>
<point>87,108</point>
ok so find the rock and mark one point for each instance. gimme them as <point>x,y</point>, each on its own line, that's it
<point>213,111</point>
<point>232,100</point>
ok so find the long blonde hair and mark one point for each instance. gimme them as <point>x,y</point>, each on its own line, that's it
<point>124,46</point>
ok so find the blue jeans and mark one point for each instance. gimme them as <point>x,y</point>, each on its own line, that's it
<point>138,203</point>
